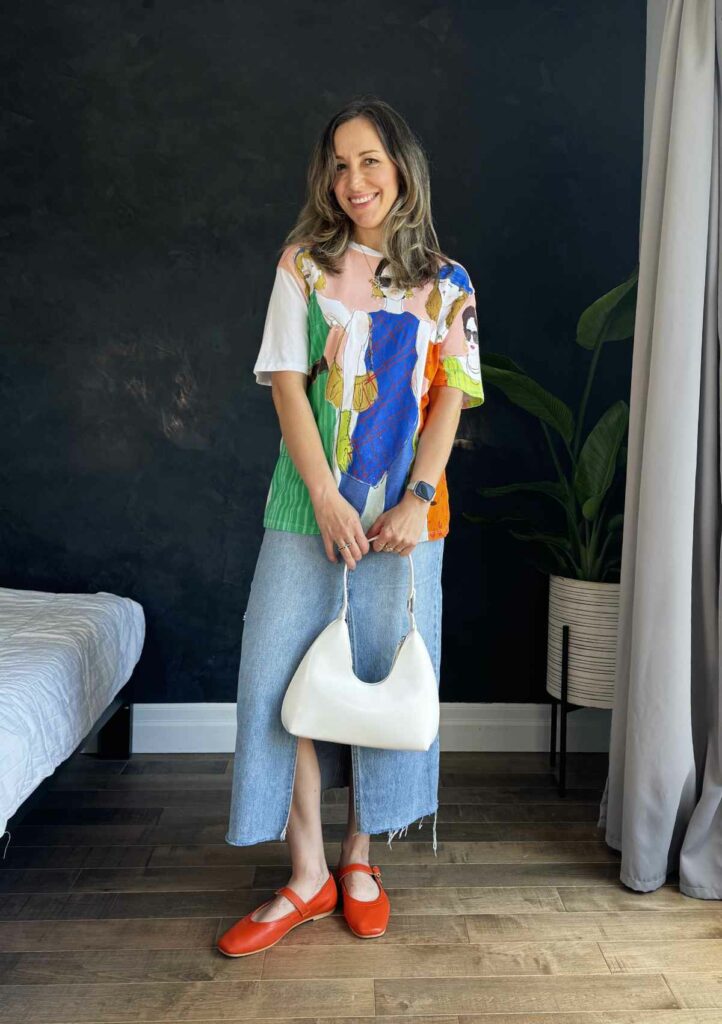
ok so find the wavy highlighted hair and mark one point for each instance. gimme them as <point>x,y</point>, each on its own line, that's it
<point>410,246</point>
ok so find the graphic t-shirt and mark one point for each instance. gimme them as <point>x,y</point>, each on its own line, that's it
<point>370,351</point>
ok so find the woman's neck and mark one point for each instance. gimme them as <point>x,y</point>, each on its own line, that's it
<point>370,238</point>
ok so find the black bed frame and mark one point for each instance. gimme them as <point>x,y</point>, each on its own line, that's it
<point>114,729</point>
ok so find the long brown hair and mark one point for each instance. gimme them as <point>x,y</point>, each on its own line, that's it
<point>409,243</point>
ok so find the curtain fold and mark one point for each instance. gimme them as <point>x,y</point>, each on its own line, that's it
<point>662,804</point>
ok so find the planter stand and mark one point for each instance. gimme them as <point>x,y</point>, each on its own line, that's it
<point>566,707</point>
<point>581,674</point>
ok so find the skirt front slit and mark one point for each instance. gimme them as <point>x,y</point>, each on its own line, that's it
<point>295,592</point>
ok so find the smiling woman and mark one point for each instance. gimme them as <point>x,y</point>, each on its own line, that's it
<point>367,147</point>
<point>370,350</point>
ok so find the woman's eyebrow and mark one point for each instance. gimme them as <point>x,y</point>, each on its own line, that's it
<point>363,153</point>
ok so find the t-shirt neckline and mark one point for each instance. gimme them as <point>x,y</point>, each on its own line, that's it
<point>364,248</point>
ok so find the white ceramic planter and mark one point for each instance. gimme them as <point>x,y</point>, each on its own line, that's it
<point>591,610</point>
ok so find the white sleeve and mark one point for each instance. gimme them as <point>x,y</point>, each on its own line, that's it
<point>284,345</point>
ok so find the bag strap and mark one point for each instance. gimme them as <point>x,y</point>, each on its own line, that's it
<point>410,600</point>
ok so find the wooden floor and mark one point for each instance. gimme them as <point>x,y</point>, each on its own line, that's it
<point>114,889</point>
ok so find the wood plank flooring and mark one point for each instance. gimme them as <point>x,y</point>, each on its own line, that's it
<point>115,887</point>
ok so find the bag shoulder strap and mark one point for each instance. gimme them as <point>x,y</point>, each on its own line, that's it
<point>410,600</point>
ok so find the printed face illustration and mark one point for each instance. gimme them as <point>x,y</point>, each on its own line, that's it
<point>471,332</point>
<point>389,289</point>
<point>310,271</point>
<point>367,179</point>
<point>449,290</point>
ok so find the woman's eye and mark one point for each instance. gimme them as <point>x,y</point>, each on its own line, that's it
<point>369,159</point>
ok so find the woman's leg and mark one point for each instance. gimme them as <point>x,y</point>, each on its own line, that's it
<point>355,849</point>
<point>295,593</point>
<point>309,869</point>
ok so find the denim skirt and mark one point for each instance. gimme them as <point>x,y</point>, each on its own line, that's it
<point>295,592</point>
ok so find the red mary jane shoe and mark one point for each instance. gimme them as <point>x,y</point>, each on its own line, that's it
<point>248,936</point>
<point>365,918</point>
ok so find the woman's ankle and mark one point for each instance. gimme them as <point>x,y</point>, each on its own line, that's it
<point>355,848</point>
<point>310,875</point>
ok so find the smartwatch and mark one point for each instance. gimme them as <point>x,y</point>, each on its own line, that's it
<point>422,490</point>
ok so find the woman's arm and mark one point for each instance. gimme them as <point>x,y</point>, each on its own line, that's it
<point>337,519</point>
<point>437,438</point>
<point>402,526</point>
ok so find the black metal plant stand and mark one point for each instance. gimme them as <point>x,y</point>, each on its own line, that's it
<point>566,707</point>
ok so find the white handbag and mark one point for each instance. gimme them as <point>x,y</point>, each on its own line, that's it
<point>325,700</point>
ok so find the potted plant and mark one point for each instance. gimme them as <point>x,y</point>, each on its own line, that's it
<point>584,545</point>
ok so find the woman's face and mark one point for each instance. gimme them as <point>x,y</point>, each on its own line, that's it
<point>367,180</point>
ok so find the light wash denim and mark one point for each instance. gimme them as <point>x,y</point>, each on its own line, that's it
<point>295,593</point>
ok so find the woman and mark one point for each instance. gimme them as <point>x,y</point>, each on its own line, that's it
<point>369,347</point>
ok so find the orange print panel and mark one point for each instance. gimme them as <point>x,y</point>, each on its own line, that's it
<point>432,367</point>
<point>437,519</point>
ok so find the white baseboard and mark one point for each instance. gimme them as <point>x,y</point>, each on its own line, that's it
<point>211,728</point>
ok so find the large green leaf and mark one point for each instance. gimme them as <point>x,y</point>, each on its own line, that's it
<point>532,397</point>
<point>550,487</point>
<point>598,458</point>
<point>545,538</point>
<point>501,362</point>
<point>615,523</point>
<point>611,317</point>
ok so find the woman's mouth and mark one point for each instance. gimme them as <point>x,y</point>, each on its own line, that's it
<point>362,201</point>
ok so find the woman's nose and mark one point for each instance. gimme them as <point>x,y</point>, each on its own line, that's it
<point>356,180</point>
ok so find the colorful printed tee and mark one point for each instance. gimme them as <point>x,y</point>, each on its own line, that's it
<point>370,351</point>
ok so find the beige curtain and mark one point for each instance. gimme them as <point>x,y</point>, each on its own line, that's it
<point>662,805</point>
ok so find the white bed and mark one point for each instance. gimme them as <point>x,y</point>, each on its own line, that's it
<point>63,658</point>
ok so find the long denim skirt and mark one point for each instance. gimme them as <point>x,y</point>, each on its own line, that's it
<point>295,592</point>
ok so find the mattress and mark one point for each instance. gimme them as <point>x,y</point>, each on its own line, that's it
<point>63,658</point>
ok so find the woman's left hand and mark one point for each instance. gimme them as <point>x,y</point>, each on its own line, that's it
<point>400,528</point>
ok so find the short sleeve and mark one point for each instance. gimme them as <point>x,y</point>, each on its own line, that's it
<point>284,345</point>
<point>457,334</point>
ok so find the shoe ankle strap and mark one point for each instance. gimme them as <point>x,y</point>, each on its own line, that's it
<point>293,897</point>
<point>358,867</point>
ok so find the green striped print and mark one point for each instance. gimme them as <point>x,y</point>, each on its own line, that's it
<point>288,506</point>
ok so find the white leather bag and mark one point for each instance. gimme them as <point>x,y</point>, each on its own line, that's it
<point>325,700</point>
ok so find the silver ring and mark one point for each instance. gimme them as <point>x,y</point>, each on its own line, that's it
<point>342,546</point>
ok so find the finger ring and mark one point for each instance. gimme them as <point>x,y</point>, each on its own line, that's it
<point>342,546</point>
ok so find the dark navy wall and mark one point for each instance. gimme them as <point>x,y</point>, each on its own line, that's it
<point>154,156</point>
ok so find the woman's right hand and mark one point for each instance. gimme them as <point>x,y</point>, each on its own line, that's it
<point>340,524</point>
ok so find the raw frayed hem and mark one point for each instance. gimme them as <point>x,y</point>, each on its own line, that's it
<point>400,832</point>
<point>252,842</point>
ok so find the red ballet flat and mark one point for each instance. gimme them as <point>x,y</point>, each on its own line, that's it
<point>248,936</point>
<point>366,918</point>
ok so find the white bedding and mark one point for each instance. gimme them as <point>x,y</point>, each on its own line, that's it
<point>63,657</point>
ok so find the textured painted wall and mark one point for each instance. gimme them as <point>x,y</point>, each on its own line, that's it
<point>154,157</point>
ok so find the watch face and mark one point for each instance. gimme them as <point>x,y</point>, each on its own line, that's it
<point>424,490</point>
